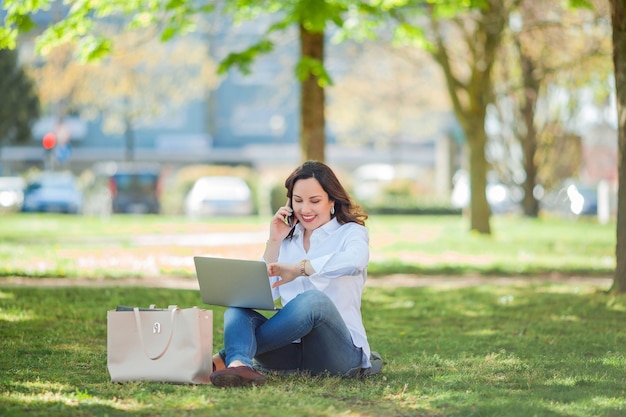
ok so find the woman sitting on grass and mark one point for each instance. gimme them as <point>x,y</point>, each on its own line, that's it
<point>316,255</point>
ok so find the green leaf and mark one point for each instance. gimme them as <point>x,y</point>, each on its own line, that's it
<point>175,4</point>
<point>141,20</point>
<point>406,34</point>
<point>314,14</point>
<point>580,4</point>
<point>25,6</point>
<point>24,23</point>
<point>308,67</point>
<point>244,60</point>
<point>280,25</point>
<point>8,38</point>
<point>388,4</point>
<point>93,49</point>
<point>168,33</point>
<point>206,8</point>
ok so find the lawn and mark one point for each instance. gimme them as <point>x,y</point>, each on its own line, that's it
<point>122,246</point>
<point>516,350</point>
<point>533,347</point>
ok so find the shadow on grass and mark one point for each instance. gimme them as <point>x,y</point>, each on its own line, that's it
<point>544,350</point>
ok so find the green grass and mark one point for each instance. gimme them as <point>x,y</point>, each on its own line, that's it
<point>537,349</point>
<point>64,246</point>
<point>528,350</point>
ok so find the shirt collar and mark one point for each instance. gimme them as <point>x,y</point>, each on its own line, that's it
<point>327,228</point>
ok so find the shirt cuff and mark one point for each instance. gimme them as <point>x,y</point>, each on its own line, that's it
<point>318,264</point>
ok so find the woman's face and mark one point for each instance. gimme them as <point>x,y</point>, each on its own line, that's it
<point>310,203</point>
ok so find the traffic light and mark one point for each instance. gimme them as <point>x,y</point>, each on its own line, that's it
<point>49,140</point>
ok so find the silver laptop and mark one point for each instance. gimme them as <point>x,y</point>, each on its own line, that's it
<point>234,283</point>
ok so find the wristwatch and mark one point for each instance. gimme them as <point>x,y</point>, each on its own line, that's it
<point>303,268</point>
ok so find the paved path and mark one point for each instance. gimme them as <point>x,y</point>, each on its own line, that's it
<point>398,280</point>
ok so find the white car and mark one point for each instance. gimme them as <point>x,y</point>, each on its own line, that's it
<point>219,196</point>
<point>11,193</point>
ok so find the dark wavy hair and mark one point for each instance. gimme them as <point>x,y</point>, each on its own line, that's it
<point>346,210</point>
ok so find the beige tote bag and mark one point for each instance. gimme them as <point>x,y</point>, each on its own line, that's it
<point>165,345</point>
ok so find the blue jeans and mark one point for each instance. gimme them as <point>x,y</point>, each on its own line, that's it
<point>325,342</point>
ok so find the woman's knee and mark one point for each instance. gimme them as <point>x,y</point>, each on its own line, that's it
<point>314,301</point>
<point>234,316</point>
<point>235,313</point>
<point>313,296</point>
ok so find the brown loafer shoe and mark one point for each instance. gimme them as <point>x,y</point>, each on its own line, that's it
<point>218,363</point>
<point>238,376</point>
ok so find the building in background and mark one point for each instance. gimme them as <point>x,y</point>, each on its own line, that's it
<point>238,121</point>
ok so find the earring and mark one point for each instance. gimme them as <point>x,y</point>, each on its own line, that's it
<point>332,210</point>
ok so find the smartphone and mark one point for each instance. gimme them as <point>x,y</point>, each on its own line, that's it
<point>291,219</point>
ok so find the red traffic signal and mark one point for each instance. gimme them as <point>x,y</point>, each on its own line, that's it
<point>49,140</point>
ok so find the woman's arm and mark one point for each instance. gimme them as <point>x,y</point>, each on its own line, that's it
<point>279,229</point>
<point>348,255</point>
<point>272,249</point>
<point>350,258</point>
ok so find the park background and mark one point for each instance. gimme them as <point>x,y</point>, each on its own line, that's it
<point>514,319</point>
<point>174,103</point>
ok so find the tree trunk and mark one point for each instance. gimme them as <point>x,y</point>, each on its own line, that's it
<point>312,103</point>
<point>529,142</point>
<point>618,16</point>
<point>480,212</point>
<point>471,94</point>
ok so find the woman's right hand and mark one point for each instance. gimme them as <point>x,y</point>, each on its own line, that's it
<point>279,226</point>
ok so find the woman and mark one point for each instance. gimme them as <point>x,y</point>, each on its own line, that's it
<point>316,255</point>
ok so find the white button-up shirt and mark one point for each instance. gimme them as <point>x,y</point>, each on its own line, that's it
<point>339,254</point>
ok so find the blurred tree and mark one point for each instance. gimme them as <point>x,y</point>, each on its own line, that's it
<point>384,95</point>
<point>312,94</point>
<point>618,19</point>
<point>141,79</point>
<point>393,100</point>
<point>79,20</point>
<point>464,39</point>
<point>551,53</point>
<point>19,105</point>
<point>312,18</point>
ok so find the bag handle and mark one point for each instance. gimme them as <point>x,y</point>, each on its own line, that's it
<point>173,309</point>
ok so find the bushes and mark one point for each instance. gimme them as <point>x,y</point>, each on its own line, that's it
<point>401,196</point>
<point>407,196</point>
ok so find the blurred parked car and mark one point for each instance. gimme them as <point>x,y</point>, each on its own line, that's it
<point>135,189</point>
<point>370,179</point>
<point>219,196</point>
<point>53,192</point>
<point>583,200</point>
<point>11,193</point>
<point>501,198</point>
<point>572,198</point>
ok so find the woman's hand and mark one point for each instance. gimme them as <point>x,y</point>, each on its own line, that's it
<point>279,229</point>
<point>286,272</point>
<point>279,226</point>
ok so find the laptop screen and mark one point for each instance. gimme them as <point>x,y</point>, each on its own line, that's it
<point>234,282</point>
